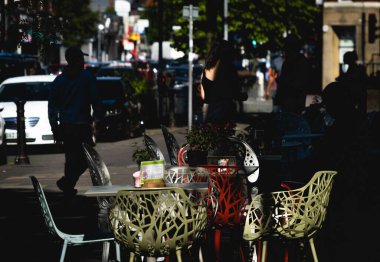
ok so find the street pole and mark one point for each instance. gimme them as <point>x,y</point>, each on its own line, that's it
<point>2,25</point>
<point>225,16</point>
<point>160,60</point>
<point>190,58</point>
<point>100,28</point>
<point>21,157</point>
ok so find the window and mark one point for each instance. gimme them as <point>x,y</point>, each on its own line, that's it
<point>36,91</point>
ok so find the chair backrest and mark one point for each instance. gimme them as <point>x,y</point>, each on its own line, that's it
<point>182,157</point>
<point>257,224</point>
<point>157,221</point>
<point>232,194</point>
<point>99,173</point>
<point>245,156</point>
<point>186,174</point>
<point>248,157</point>
<point>48,218</point>
<point>153,148</point>
<point>301,212</point>
<point>171,145</point>
<point>291,214</point>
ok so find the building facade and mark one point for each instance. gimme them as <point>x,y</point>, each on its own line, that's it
<point>345,28</point>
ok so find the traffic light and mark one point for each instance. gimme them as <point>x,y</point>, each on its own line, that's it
<point>372,28</point>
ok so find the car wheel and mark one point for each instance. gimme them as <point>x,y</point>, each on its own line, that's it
<point>3,151</point>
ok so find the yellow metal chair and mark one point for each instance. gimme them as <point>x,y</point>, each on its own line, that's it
<point>296,214</point>
<point>157,222</point>
<point>187,174</point>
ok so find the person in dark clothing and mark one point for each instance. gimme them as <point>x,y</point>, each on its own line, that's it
<point>356,79</point>
<point>296,73</point>
<point>73,95</point>
<point>345,149</point>
<point>220,84</point>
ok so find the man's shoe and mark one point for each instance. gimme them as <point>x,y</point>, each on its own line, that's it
<point>68,192</point>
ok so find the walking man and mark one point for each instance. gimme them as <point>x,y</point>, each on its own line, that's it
<point>72,96</point>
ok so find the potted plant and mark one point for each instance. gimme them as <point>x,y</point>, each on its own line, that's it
<point>203,140</point>
<point>140,154</point>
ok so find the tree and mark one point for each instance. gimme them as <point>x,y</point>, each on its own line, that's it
<point>261,20</point>
<point>49,22</point>
<point>80,23</point>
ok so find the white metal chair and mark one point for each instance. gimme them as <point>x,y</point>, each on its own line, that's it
<point>100,176</point>
<point>69,239</point>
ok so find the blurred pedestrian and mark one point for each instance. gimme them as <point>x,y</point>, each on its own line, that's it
<point>271,89</point>
<point>72,96</point>
<point>294,80</point>
<point>356,80</point>
<point>220,84</point>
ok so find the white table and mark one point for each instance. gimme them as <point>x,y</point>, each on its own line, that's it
<point>106,191</point>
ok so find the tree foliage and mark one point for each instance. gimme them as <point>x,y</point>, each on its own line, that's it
<point>80,22</point>
<point>49,22</point>
<point>264,21</point>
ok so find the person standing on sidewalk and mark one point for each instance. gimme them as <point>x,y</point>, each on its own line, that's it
<point>295,78</point>
<point>220,84</point>
<point>73,93</point>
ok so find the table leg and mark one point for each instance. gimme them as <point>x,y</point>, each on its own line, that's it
<point>103,224</point>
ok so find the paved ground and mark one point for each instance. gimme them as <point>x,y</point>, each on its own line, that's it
<point>23,236</point>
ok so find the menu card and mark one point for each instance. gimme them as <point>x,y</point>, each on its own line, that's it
<point>152,171</point>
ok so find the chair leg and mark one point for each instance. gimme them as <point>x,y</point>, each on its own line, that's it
<point>313,251</point>
<point>179,257</point>
<point>252,253</point>
<point>218,233</point>
<point>131,257</point>
<point>200,255</point>
<point>106,249</point>
<point>241,252</point>
<point>264,252</point>
<point>63,253</point>
<point>286,255</point>
<point>117,249</point>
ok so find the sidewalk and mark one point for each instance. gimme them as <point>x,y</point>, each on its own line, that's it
<point>23,233</point>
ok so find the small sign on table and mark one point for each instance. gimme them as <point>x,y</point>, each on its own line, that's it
<point>152,173</point>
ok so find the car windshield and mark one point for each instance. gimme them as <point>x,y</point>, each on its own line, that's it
<point>34,91</point>
<point>110,89</point>
<point>124,72</point>
<point>183,72</point>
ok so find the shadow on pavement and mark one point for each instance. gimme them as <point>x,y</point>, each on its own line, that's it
<point>24,236</point>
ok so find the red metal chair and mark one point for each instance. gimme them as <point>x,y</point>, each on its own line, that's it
<point>232,202</point>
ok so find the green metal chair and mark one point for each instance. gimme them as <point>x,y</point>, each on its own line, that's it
<point>157,222</point>
<point>296,214</point>
<point>68,239</point>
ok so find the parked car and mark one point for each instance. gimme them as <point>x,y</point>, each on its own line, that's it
<point>12,65</point>
<point>123,117</point>
<point>35,91</point>
<point>178,78</point>
<point>3,142</point>
<point>94,66</point>
<point>124,69</point>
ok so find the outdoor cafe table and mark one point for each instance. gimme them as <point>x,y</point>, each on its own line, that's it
<point>111,190</point>
<point>106,191</point>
